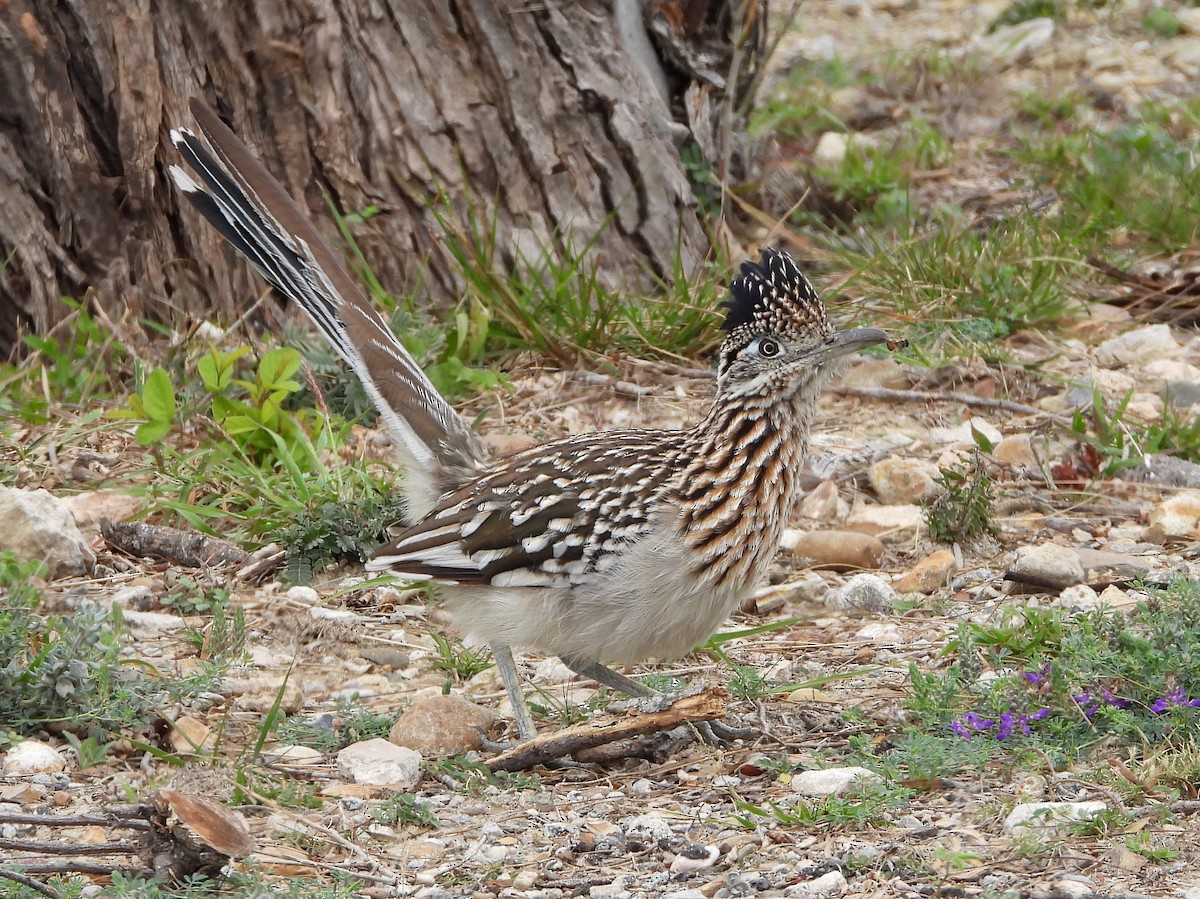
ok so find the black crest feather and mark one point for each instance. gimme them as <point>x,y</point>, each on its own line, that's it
<point>773,295</point>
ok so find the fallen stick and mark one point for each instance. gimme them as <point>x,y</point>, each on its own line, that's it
<point>650,714</point>
<point>918,396</point>
<point>187,548</point>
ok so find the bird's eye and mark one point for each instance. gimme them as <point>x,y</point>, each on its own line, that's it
<point>768,348</point>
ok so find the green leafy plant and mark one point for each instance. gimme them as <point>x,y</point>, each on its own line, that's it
<point>351,724</point>
<point>154,405</point>
<point>253,786</point>
<point>1137,182</point>
<point>402,808</point>
<point>1162,22</point>
<point>476,777</point>
<point>966,509</point>
<point>67,670</point>
<point>1113,443</point>
<point>89,752</point>
<point>1064,682</point>
<point>966,287</point>
<point>253,416</point>
<point>187,597</point>
<point>1143,845</point>
<point>337,529</point>
<point>72,364</point>
<point>1023,10</point>
<point>224,637</point>
<point>859,808</point>
<point>460,661</point>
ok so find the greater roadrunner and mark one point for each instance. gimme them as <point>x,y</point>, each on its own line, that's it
<point>614,547</point>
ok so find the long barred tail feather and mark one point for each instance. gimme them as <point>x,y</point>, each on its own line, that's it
<point>245,203</point>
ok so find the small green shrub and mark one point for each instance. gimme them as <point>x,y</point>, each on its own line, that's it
<point>1162,22</point>
<point>67,671</point>
<point>154,405</point>
<point>966,509</point>
<point>401,808</point>
<point>1064,682</point>
<point>329,733</point>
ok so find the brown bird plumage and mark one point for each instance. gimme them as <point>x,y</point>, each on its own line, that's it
<point>613,547</point>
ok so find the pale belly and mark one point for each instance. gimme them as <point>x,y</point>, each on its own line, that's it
<point>648,605</point>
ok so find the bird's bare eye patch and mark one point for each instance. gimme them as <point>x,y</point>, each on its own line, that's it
<point>766,347</point>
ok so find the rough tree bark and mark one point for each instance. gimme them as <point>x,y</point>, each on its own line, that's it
<point>553,120</point>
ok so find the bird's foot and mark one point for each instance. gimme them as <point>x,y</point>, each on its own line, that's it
<point>718,733</point>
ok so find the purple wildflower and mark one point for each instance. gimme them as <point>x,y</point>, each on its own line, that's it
<point>1175,698</point>
<point>1005,729</point>
<point>1004,726</point>
<point>1039,676</point>
<point>1112,699</point>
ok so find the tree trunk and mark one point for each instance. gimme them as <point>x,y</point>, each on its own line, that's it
<point>549,125</point>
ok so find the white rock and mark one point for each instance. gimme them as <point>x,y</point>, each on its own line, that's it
<point>1192,892</point>
<point>685,863</point>
<point>965,433</point>
<point>553,671</point>
<point>887,522</point>
<point>294,754</point>
<point>898,481</point>
<point>1016,450</point>
<point>830,150</point>
<point>880,632</point>
<point>875,373</point>
<point>340,616</point>
<point>89,508</point>
<point>832,883</point>
<point>379,763</point>
<point>1033,816</point>
<point>1048,560</point>
<point>1013,43</point>
<point>866,591</point>
<point>153,622</point>
<point>1164,371</point>
<point>1138,346</point>
<point>38,527</point>
<point>1177,517</point>
<point>1068,888</point>
<point>130,596</point>
<point>614,890</point>
<point>831,781</point>
<point>1189,20</point>
<point>651,827</point>
<point>1109,381</point>
<point>304,595</point>
<point>32,757</point>
<point>1182,52</point>
<point>1113,597</point>
<point>1078,598</point>
<point>820,503</point>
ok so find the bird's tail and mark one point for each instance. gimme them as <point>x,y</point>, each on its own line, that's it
<point>241,199</point>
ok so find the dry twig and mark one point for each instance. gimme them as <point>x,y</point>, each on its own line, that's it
<point>707,704</point>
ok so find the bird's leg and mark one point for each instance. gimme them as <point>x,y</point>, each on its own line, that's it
<point>713,732</point>
<point>512,686</point>
<point>604,675</point>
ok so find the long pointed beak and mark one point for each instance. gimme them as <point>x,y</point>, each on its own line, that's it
<point>844,342</point>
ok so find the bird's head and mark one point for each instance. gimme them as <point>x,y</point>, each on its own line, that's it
<point>779,342</point>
